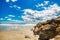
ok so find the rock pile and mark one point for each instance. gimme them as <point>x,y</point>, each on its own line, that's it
<point>47,30</point>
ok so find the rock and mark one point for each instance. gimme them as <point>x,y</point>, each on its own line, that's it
<point>26,36</point>
<point>48,30</point>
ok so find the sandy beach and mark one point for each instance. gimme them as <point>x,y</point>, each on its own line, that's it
<point>23,34</point>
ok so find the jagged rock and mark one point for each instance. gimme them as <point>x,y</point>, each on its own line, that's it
<point>48,30</point>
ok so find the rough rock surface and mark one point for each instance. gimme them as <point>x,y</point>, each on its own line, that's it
<point>48,30</point>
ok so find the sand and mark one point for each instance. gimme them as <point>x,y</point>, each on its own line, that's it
<point>21,34</point>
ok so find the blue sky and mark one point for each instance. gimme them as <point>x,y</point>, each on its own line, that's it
<point>28,11</point>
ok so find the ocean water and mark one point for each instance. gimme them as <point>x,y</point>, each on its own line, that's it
<point>4,27</point>
<point>10,27</point>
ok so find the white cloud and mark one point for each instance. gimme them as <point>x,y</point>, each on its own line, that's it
<point>7,0</point>
<point>15,21</point>
<point>11,6</point>
<point>36,16</point>
<point>42,4</point>
<point>11,0</point>
<point>15,6</point>
<point>46,2</point>
<point>26,18</point>
<point>38,5</point>
<point>6,17</point>
<point>19,7</point>
<point>14,0</point>
<point>11,15</point>
<point>9,19</point>
<point>1,19</point>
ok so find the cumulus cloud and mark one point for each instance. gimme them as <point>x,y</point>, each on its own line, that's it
<point>36,16</point>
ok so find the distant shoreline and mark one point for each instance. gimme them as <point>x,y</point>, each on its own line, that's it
<point>15,26</point>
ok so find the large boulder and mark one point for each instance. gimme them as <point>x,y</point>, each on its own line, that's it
<point>47,30</point>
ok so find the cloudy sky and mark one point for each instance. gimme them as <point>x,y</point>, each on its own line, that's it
<point>28,11</point>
